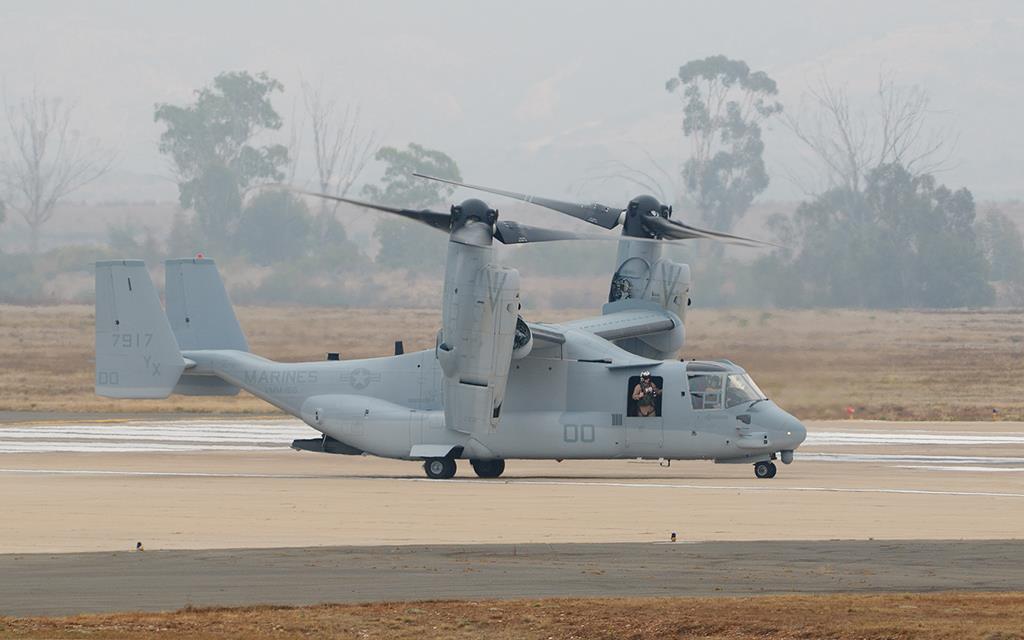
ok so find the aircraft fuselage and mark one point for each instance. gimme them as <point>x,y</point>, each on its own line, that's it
<point>555,408</point>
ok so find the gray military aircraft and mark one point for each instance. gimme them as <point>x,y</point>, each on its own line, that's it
<point>493,388</point>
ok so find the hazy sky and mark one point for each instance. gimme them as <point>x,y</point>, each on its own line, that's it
<point>529,95</point>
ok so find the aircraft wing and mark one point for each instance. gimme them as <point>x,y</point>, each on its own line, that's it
<point>547,333</point>
<point>630,323</point>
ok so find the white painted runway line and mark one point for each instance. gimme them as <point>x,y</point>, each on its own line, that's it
<point>160,474</point>
<point>819,438</point>
<point>899,457</point>
<point>526,481</point>
<point>970,468</point>
<point>89,447</point>
<point>183,436</point>
<point>153,437</point>
<point>747,488</point>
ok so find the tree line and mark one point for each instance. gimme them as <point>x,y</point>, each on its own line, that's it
<point>876,228</point>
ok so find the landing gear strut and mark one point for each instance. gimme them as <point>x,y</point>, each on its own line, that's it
<point>765,470</point>
<point>488,468</point>
<point>440,468</point>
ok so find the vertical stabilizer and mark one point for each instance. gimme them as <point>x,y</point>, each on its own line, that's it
<point>136,353</point>
<point>201,317</point>
<point>198,307</point>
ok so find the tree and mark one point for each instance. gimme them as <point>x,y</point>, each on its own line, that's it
<point>848,143</point>
<point>724,104</point>
<point>332,249</point>
<point>401,188</point>
<point>649,177</point>
<point>404,244</point>
<point>275,226</point>
<point>123,238</point>
<point>183,238</point>
<point>46,160</point>
<point>211,145</point>
<point>903,241</point>
<point>341,149</point>
<point>1003,247</point>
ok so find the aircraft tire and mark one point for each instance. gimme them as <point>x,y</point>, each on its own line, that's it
<point>774,470</point>
<point>439,468</point>
<point>488,468</point>
<point>763,470</point>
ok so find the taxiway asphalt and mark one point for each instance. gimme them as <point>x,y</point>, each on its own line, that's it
<point>64,584</point>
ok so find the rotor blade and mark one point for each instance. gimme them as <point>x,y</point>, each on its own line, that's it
<point>599,214</point>
<point>508,232</point>
<point>672,230</point>
<point>439,221</point>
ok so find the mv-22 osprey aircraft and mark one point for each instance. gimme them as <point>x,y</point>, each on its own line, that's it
<point>494,387</point>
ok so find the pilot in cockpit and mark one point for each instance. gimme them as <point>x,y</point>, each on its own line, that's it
<point>645,392</point>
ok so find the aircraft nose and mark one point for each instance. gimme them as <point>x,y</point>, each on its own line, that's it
<point>798,432</point>
<point>791,432</point>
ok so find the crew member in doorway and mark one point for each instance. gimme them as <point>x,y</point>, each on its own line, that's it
<point>645,393</point>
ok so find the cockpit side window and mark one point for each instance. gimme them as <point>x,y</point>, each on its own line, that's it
<point>705,390</point>
<point>739,389</point>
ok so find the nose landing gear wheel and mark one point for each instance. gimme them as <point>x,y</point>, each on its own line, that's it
<point>439,468</point>
<point>765,470</point>
<point>488,468</point>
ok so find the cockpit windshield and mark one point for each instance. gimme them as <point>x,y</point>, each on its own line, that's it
<point>739,388</point>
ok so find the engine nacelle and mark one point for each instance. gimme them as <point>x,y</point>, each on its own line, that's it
<point>643,274</point>
<point>478,336</point>
<point>523,343</point>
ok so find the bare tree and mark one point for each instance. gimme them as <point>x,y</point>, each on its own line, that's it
<point>849,142</point>
<point>46,160</point>
<point>341,149</point>
<point>296,125</point>
<point>655,180</point>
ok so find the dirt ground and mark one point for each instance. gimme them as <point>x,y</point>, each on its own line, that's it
<point>899,365</point>
<point>934,616</point>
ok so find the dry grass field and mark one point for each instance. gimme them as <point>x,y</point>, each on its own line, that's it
<point>887,365</point>
<point>934,616</point>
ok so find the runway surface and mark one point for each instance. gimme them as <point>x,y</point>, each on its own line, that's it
<point>154,581</point>
<point>230,515</point>
<point>155,435</point>
<point>205,484</point>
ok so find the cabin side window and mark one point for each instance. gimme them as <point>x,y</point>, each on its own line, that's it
<point>705,390</point>
<point>644,400</point>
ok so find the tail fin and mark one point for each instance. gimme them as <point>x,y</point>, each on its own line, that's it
<point>201,318</point>
<point>198,307</point>
<point>136,353</point>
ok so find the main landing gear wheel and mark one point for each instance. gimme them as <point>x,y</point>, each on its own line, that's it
<point>488,468</point>
<point>765,470</point>
<point>440,468</point>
